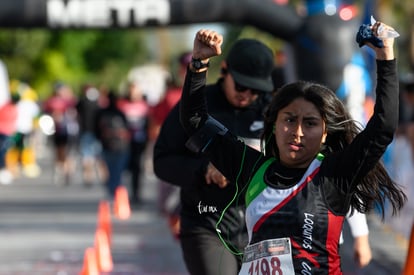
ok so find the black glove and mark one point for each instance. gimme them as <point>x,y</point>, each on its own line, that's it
<point>365,34</point>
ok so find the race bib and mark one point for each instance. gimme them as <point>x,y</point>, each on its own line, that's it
<point>269,257</point>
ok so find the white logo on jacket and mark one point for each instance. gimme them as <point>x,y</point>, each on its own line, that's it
<point>256,125</point>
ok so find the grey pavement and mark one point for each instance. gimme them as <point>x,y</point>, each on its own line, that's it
<point>46,227</point>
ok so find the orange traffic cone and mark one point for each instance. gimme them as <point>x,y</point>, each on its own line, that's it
<point>90,266</point>
<point>409,262</point>
<point>104,218</point>
<point>122,209</point>
<point>103,251</point>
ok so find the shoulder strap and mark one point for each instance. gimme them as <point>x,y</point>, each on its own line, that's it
<point>257,185</point>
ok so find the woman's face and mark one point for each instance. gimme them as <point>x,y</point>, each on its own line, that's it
<point>299,131</point>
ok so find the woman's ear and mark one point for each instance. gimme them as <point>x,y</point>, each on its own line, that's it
<point>324,135</point>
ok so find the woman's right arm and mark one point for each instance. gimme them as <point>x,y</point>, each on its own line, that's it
<point>193,111</point>
<point>203,129</point>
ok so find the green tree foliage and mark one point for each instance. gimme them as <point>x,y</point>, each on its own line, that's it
<point>42,57</point>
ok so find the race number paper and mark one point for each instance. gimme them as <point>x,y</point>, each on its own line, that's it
<point>268,257</point>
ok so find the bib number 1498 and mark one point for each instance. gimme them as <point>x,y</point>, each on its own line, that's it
<point>265,267</point>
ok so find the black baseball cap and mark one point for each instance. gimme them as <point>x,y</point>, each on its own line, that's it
<point>250,62</point>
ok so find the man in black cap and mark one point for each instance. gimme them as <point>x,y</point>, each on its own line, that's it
<point>213,232</point>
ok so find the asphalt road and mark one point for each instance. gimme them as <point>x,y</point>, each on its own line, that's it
<point>45,228</point>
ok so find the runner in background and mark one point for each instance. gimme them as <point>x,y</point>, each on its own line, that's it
<point>61,106</point>
<point>169,195</point>
<point>8,118</point>
<point>22,156</point>
<point>136,109</point>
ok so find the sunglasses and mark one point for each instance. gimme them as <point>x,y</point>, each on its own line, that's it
<point>240,89</point>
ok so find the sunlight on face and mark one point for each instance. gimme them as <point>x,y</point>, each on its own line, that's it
<point>300,132</point>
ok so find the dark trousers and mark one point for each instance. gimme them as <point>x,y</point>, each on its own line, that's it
<point>5,143</point>
<point>204,254</point>
<point>135,167</point>
<point>116,163</point>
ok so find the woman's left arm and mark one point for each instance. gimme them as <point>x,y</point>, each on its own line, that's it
<point>383,124</point>
<point>368,147</point>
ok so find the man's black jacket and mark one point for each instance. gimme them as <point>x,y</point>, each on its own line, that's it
<point>202,204</point>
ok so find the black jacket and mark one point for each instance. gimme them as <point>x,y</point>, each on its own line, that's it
<point>202,204</point>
